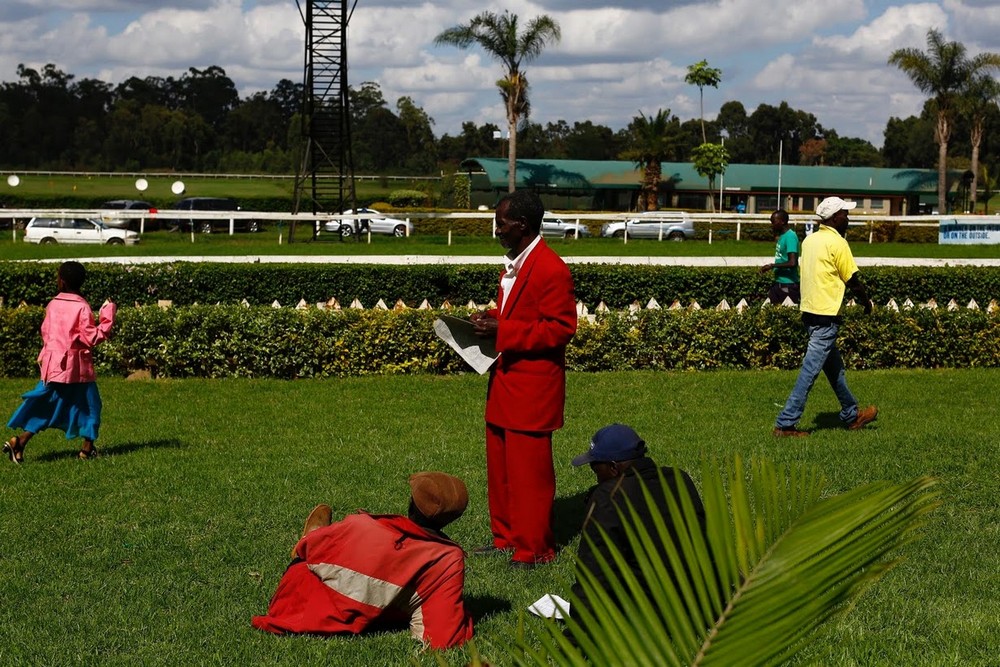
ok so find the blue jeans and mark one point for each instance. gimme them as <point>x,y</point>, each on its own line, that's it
<point>821,355</point>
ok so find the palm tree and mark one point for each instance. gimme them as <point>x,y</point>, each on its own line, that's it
<point>776,561</point>
<point>942,71</point>
<point>498,35</point>
<point>978,97</point>
<point>990,184</point>
<point>701,75</point>
<point>652,141</point>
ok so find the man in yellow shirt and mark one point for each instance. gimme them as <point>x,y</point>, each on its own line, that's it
<point>826,267</point>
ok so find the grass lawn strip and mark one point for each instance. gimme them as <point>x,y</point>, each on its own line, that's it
<point>159,552</point>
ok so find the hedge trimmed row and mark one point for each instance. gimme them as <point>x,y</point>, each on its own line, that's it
<point>33,283</point>
<point>237,341</point>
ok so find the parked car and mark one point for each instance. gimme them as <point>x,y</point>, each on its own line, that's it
<point>378,223</point>
<point>205,225</point>
<point>670,225</point>
<point>555,227</point>
<point>76,230</point>
<point>130,223</point>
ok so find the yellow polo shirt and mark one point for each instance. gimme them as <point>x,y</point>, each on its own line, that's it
<point>825,266</point>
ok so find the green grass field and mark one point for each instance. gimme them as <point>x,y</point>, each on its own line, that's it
<point>159,192</point>
<point>159,552</point>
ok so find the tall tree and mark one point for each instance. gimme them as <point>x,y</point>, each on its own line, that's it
<point>850,152</point>
<point>979,97</point>
<point>710,160</point>
<point>421,154</point>
<point>780,128</point>
<point>209,93</point>
<point>472,142</point>
<point>652,140</point>
<point>732,120</point>
<point>942,71</point>
<point>587,141</point>
<point>701,75</point>
<point>909,143</point>
<point>499,37</point>
<point>287,95</point>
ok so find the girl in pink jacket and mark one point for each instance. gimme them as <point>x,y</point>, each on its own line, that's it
<point>66,398</point>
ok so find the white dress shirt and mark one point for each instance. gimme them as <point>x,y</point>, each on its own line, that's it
<point>513,266</point>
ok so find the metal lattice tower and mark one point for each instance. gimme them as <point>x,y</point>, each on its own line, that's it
<point>327,172</point>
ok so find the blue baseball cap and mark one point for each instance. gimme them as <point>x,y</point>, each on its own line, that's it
<point>616,442</point>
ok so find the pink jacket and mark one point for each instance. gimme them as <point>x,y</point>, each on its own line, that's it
<point>68,334</point>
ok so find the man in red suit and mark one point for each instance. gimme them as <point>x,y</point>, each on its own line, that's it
<point>375,572</point>
<point>534,321</point>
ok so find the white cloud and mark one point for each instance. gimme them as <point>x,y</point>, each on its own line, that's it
<point>976,24</point>
<point>897,27</point>
<point>614,59</point>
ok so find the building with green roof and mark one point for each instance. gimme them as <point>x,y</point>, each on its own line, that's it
<point>613,185</point>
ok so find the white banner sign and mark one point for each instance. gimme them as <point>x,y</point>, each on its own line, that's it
<point>969,229</point>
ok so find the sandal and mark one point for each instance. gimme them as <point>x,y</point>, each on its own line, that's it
<point>90,453</point>
<point>14,450</point>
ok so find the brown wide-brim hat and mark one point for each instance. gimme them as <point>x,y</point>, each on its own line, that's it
<point>439,496</point>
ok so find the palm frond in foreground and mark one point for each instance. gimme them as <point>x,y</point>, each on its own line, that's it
<point>774,563</point>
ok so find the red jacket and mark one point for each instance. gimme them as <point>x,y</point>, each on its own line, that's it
<point>527,390</point>
<point>373,571</point>
<point>68,337</point>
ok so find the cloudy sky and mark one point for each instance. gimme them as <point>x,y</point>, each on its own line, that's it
<point>616,57</point>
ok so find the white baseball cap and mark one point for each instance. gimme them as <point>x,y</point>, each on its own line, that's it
<point>831,205</point>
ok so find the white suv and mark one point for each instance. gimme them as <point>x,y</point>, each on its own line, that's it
<point>668,225</point>
<point>76,230</point>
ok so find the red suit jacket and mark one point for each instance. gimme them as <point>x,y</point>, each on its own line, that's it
<point>373,572</point>
<point>527,389</point>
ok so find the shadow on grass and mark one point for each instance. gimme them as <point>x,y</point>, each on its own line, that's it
<point>481,607</point>
<point>114,450</point>
<point>567,518</point>
<point>831,421</point>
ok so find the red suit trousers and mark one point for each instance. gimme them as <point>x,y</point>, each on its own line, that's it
<point>521,484</point>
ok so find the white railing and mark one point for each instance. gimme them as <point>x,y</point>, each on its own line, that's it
<point>712,220</point>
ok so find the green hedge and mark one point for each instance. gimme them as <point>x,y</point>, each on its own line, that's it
<point>618,286</point>
<point>238,341</point>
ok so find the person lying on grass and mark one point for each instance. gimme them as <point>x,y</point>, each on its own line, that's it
<point>379,572</point>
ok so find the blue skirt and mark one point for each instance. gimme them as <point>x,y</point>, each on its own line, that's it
<point>71,407</point>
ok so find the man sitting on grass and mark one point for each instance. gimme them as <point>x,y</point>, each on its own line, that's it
<point>377,572</point>
<point>617,455</point>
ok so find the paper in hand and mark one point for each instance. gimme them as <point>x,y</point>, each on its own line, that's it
<point>480,353</point>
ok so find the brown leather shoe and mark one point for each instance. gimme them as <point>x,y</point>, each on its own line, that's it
<point>321,516</point>
<point>790,432</point>
<point>866,416</point>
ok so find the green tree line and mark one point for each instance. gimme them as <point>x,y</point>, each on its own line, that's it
<point>199,122</point>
